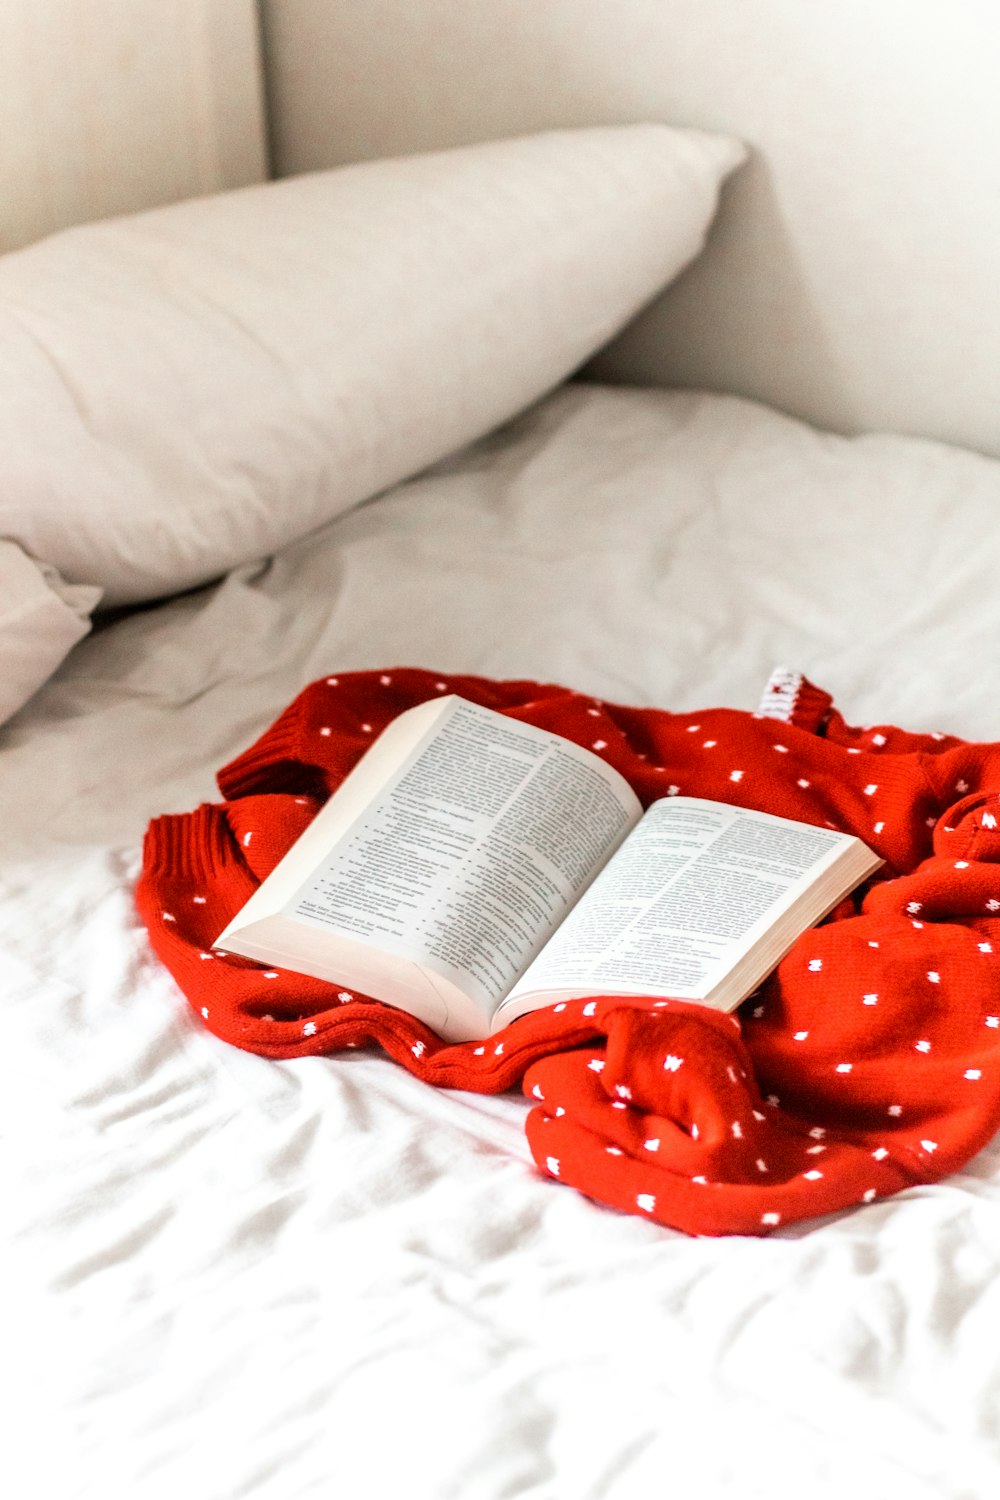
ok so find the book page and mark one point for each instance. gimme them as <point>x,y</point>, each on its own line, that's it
<point>473,852</point>
<point>683,898</point>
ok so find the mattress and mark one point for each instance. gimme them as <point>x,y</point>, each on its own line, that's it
<point>239,1277</point>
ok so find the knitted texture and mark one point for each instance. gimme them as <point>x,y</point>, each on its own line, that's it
<point>868,1062</point>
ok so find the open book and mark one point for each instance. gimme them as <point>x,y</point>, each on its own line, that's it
<point>472,868</point>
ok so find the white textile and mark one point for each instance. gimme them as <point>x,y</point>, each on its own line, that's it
<point>232,1278</point>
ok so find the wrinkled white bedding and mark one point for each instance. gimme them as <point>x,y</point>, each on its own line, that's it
<point>231,1278</point>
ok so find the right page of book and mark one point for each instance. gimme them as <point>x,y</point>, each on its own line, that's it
<point>691,890</point>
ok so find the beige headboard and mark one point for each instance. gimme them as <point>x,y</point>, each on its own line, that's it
<point>112,105</point>
<point>853,275</point>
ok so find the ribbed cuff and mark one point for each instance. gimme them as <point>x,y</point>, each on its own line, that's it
<point>195,846</point>
<point>254,770</point>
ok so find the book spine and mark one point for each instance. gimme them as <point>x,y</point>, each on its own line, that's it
<point>779,695</point>
<point>790,698</point>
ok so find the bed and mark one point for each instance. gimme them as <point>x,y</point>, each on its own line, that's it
<point>570,344</point>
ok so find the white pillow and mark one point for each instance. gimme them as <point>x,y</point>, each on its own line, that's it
<point>190,388</point>
<point>41,618</point>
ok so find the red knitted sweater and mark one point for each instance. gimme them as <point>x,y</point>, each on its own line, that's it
<point>870,1060</point>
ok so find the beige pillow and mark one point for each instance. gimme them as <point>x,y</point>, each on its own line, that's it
<point>41,619</point>
<point>192,387</point>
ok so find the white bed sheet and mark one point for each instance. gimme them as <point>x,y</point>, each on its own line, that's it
<point>229,1277</point>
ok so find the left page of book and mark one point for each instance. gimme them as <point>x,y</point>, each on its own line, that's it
<point>432,882</point>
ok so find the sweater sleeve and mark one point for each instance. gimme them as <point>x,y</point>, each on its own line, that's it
<point>310,748</point>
